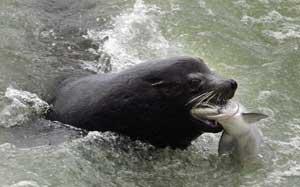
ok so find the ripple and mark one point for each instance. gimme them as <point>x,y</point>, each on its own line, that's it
<point>271,17</point>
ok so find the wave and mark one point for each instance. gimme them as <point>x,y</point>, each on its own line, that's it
<point>134,37</point>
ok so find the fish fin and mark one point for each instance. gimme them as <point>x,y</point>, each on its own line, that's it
<point>253,117</point>
<point>226,144</point>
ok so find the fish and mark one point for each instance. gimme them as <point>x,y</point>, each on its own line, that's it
<point>241,136</point>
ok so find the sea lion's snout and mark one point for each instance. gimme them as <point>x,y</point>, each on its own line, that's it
<point>214,90</point>
<point>230,88</point>
<point>225,90</point>
<point>233,84</point>
<point>216,93</point>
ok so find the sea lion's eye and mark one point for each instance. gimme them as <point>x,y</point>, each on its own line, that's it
<point>195,82</point>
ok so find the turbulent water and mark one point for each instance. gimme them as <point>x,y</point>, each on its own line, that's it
<point>255,42</point>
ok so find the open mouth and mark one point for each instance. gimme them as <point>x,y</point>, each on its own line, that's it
<point>210,102</point>
<point>210,98</point>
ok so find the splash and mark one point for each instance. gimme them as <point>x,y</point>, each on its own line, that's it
<point>20,107</point>
<point>134,37</point>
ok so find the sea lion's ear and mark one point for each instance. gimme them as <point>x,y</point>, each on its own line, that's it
<point>167,88</point>
<point>158,84</point>
<point>155,82</point>
<point>253,117</point>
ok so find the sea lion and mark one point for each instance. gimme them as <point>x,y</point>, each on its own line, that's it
<point>150,102</point>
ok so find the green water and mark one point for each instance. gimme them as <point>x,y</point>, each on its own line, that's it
<point>254,42</point>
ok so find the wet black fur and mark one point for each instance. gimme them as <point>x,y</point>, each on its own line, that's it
<point>145,102</point>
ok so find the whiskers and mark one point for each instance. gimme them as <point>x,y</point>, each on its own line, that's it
<point>202,99</point>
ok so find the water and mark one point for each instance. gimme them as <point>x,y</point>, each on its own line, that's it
<point>255,42</point>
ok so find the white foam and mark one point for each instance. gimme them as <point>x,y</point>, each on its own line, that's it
<point>135,37</point>
<point>100,135</point>
<point>293,171</point>
<point>89,65</point>
<point>242,4</point>
<point>20,107</point>
<point>203,5</point>
<point>287,33</point>
<point>6,146</point>
<point>285,28</point>
<point>271,17</point>
<point>27,183</point>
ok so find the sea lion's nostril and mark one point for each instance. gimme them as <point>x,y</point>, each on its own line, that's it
<point>233,84</point>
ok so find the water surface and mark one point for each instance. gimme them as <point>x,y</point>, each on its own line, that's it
<point>255,42</point>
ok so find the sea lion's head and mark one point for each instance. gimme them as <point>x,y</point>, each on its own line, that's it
<point>190,83</point>
<point>207,89</point>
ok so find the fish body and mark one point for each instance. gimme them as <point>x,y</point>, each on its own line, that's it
<point>241,136</point>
